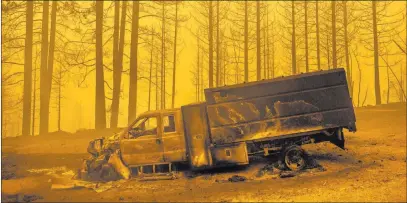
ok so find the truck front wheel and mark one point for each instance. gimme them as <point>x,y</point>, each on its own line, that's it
<point>294,158</point>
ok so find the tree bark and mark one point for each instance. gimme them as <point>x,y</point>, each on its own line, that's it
<point>246,43</point>
<point>116,73</point>
<point>28,69</point>
<point>258,40</point>
<point>217,46</point>
<point>47,70</point>
<point>334,59</point>
<point>210,35</point>
<point>224,58</point>
<point>306,36</point>
<point>151,69</point>
<point>273,54</point>
<point>100,108</point>
<point>376,55</point>
<point>59,99</point>
<point>34,98</point>
<point>44,69</point>
<point>388,85</point>
<point>328,52</point>
<point>163,57</point>
<point>132,106</point>
<point>293,44</point>
<point>265,67</point>
<point>156,87</point>
<point>345,26</point>
<point>175,56</point>
<point>317,33</point>
<point>198,91</point>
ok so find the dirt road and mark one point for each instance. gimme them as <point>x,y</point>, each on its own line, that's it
<point>372,168</point>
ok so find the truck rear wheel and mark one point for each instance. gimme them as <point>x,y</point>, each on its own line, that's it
<point>294,158</point>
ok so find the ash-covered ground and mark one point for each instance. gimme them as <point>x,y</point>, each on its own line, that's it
<point>372,168</point>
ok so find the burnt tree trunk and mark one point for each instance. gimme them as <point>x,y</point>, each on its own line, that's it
<point>246,43</point>
<point>293,44</point>
<point>34,98</point>
<point>151,69</point>
<point>47,61</point>
<point>318,37</point>
<point>376,55</point>
<point>156,87</point>
<point>265,58</point>
<point>59,98</point>
<point>334,59</point>
<point>28,68</point>
<point>51,57</point>
<point>116,68</point>
<point>348,71</point>
<point>217,46</point>
<point>210,36</point>
<point>100,108</point>
<point>258,40</point>
<point>175,56</point>
<point>132,106</point>
<point>163,57</point>
<point>306,36</point>
<point>117,73</point>
<point>43,72</point>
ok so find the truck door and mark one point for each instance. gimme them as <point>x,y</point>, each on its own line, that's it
<point>143,144</point>
<point>173,138</point>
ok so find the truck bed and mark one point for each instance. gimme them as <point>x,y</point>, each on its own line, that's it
<point>280,106</point>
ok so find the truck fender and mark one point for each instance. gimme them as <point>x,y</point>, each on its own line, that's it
<point>116,162</point>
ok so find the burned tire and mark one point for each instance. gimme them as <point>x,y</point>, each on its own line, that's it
<point>294,158</point>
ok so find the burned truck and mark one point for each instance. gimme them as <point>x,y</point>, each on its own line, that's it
<point>235,122</point>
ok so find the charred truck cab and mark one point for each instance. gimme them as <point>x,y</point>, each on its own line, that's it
<point>155,137</point>
<point>239,121</point>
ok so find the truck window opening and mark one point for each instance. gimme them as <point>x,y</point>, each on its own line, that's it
<point>145,127</point>
<point>169,124</point>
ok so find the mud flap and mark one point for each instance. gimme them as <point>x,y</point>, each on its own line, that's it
<point>338,139</point>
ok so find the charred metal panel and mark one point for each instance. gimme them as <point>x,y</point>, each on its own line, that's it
<point>296,103</point>
<point>306,81</point>
<point>280,126</point>
<point>142,150</point>
<point>278,107</point>
<point>232,154</point>
<point>174,142</point>
<point>197,135</point>
<point>174,147</point>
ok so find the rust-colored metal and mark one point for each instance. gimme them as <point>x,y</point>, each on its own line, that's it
<point>156,147</point>
<point>281,106</point>
<point>239,120</point>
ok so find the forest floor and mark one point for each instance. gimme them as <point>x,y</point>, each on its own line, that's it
<point>372,168</point>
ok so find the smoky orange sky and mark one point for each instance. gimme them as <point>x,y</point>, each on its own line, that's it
<point>78,102</point>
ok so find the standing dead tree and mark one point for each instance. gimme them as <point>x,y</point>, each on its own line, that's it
<point>118,63</point>
<point>318,35</point>
<point>288,22</point>
<point>333,21</point>
<point>47,64</point>
<point>100,108</point>
<point>380,27</point>
<point>132,106</point>
<point>28,68</point>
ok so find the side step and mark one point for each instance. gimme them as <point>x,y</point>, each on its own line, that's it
<point>160,171</point>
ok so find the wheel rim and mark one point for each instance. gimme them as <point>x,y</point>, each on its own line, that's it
<point>294,159</point>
